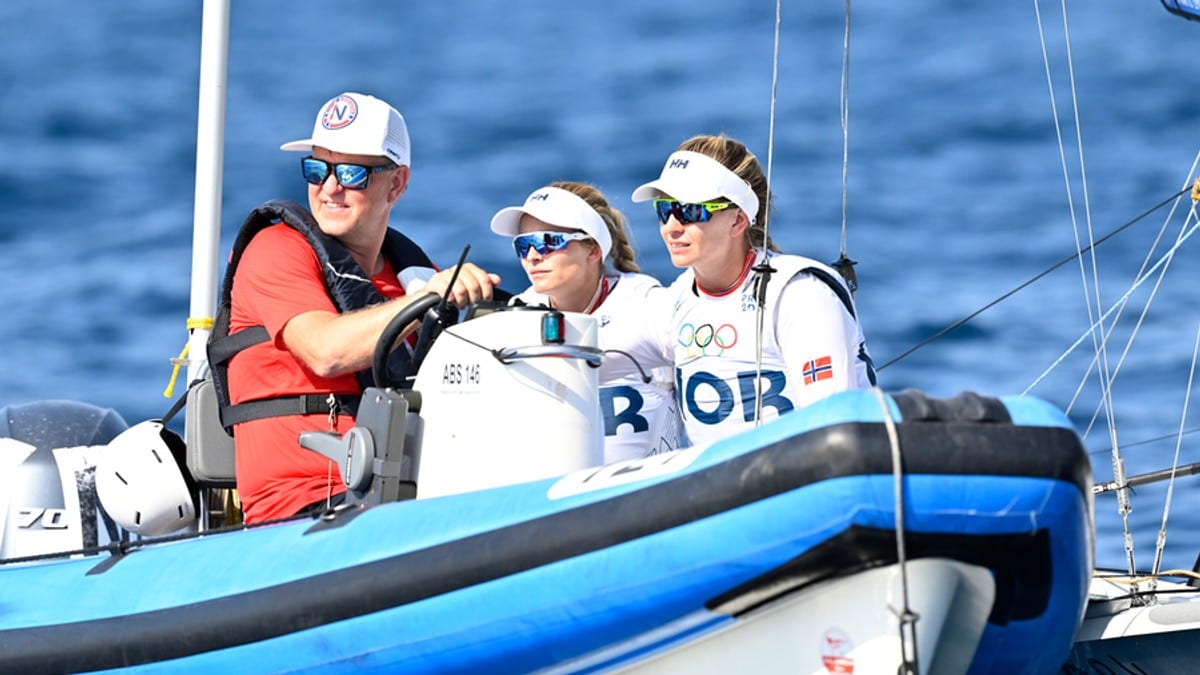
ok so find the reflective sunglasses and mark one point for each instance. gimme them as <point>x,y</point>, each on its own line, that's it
<point>544,242</point>
<point>350,176</point>
<point>699,212</point>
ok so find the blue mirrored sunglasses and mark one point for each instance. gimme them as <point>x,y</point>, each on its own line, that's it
<point>544,242</point>
<point>350,176</point>
<point>699,212</point>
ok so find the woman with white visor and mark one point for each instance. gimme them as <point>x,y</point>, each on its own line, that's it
<point>710,201</point>
<point>563,235</point>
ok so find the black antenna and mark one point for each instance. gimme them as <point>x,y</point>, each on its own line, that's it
<point>444,314</point>
<point>444,305</point>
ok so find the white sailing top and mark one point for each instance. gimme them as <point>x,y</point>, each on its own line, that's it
<point>640,418</point>
<point>812,346</point>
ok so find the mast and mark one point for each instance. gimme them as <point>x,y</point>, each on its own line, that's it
<point>210,145</point>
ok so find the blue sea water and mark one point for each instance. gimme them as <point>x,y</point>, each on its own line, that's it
<point>956,190</point>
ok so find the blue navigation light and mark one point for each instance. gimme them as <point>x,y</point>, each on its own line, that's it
<point>554,328</point>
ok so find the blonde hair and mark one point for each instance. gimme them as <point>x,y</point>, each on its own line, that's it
<point>621,253</point>
<point>736,157</point>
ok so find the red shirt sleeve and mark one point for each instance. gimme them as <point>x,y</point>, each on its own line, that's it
<point>279,278</point>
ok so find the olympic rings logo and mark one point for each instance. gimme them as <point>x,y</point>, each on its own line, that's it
<point>705,340</point>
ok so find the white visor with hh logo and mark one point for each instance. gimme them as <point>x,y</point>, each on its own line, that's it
<point>556,206</point>
<point>693,177</point>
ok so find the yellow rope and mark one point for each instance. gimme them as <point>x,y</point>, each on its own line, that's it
<point>1129,581</point>
<point>193,322</point>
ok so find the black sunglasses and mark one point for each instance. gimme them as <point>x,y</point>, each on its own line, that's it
<point>350,176</point>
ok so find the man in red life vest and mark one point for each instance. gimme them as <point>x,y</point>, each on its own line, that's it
<point>318,287</point>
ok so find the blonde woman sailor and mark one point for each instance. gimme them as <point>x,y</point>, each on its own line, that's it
<point>742,313</point>
<point>564,235</point>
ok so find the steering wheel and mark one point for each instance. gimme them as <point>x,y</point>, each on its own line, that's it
<point>422,308</point>
<point>434,315</point>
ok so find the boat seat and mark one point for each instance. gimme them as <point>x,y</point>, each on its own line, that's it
<point>209,447</point>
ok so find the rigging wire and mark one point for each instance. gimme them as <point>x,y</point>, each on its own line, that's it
<point>1123,504</point>
<point>1030,281</point>
<point>763,269</point>
<point>1133,334</point>
<point>1147,441</point>
<point>845,116</point>
<point>1062,158</point>
<point>1124,507</point>
<point>1102,324</point>
<point>844,265</point>
<point>1146,261</point>
<point>1161,541</point>
<point>1166,257</point>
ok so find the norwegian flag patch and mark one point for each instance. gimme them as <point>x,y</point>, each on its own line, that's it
<point>818,369</point>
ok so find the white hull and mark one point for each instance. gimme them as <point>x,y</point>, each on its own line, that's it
<point>1160,635</point>
<point>849,625</point>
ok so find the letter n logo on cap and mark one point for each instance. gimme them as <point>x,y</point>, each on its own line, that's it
<point>678,164</point>
<point>338,113</point>
<point>540,197</point>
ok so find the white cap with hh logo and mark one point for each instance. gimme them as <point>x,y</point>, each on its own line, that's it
<point>358,124</point>
<point>556,206</point>
<point>694,177</point>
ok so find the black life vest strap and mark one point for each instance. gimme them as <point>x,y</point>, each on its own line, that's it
<point>836,285</point>
<point>222,349</point>
<point>298,404</point>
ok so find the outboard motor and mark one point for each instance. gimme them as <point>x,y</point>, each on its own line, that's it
<point>48,502</point>
<point>509,397</point>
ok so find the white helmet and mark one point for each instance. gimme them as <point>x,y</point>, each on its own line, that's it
<point>140,482</point>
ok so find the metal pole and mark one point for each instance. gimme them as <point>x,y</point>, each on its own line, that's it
<point>210,145</point>
<point>1144,478</point>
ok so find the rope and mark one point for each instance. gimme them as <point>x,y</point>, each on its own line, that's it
<point>907,617</point>
<point>193,322</point>
<point>763,269</point>
<point>1132,581</point>
<point>845,116</point>
<point>771,128</point>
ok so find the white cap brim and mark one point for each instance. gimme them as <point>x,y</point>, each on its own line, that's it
<point>304,145</point>
<point>557,207</point>
<point>694,177</point>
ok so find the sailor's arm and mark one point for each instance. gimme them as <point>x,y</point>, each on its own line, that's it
<point>331,344</point>
<point>818,338</point>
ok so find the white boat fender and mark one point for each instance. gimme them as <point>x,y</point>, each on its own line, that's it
<point>141,483</point>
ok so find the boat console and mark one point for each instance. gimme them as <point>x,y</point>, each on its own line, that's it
<point>507,396</point>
